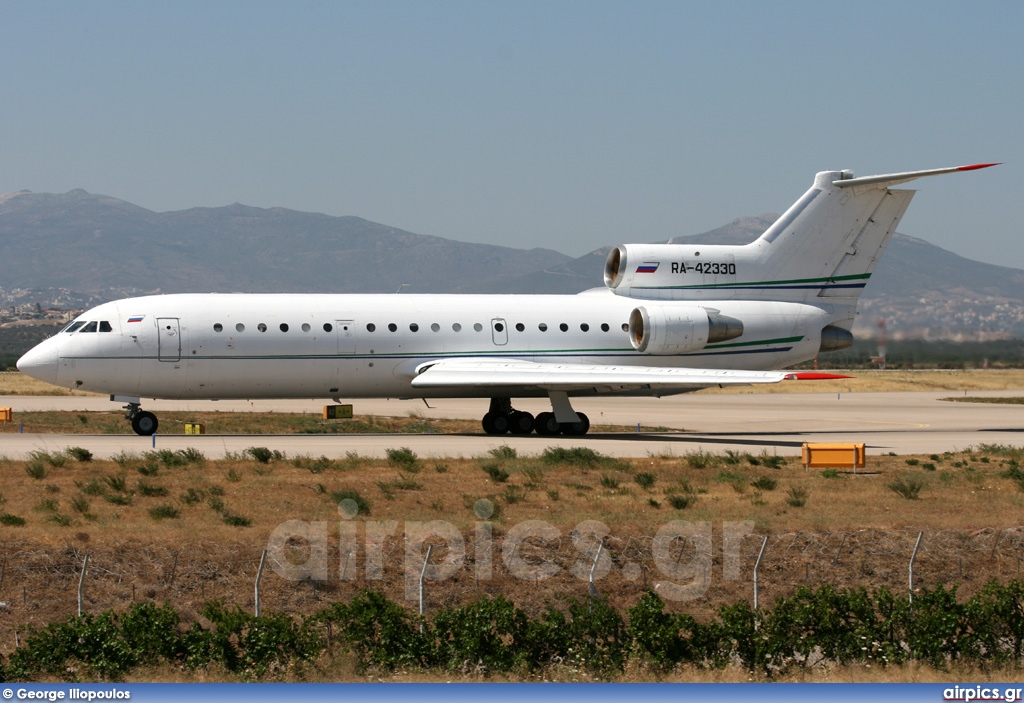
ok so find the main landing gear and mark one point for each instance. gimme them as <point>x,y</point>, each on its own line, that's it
<point>143,423</point>
<point>502,418</point>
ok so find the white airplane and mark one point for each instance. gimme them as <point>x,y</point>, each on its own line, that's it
<point>672,318</point>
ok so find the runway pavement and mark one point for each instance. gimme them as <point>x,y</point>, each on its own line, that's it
<point>904,423</point>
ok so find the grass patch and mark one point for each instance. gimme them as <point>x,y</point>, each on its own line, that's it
<point>403,458</point>
<point>764,483</point>
<point>909,487</point>
<point>163,512</point>
<point>700,459</point>
<point>645,480</point>
<point>235,520</point>
<point>79,453</point>
<point>796,497</point>
<point>36,469</point>
<point>150,490</point>
<point>497,472</point>
<point>348,494</point>
<point>262,455</point>
<point>583,457</point>
<point>314,466</point>
<point>504,453</point>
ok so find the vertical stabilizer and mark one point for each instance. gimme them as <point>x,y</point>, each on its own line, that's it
<point>823,249</point>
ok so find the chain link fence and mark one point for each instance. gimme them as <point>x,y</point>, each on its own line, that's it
<point>695,567</point>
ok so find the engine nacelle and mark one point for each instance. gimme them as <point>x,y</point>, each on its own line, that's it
<point>679,329</point>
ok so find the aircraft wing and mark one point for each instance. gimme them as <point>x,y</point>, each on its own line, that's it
<point>510,373</point>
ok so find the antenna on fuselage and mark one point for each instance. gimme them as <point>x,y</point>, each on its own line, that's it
<point>400,288</point>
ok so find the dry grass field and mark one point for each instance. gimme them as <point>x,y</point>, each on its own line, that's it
<point>167,527</point>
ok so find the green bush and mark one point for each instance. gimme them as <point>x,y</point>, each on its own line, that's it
<point>909,488</point>
<point>764,483</point>
<point>504,453</point>
<point>826,626</point>
<point>573,456</point>
<point>403,458</point>
<point>645,480</point>
<point>379,632</point>
<point>150,490</point>
<point>162,512</point>
<point>491,632</point>
<point>347,494</point>
<point>495,471</point>
<point>796,497</point>
<point>262,455</point>
<point>79,453</point>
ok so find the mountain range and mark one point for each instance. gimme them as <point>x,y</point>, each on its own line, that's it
<point>78,248</point>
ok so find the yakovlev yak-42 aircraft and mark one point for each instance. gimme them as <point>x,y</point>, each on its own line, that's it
<point>672,318</point>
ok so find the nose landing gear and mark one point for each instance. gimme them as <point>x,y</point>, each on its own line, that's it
<point>143,423</point>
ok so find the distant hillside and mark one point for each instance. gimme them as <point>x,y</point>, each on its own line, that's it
<point>88,243</point>
<point>78,248</point>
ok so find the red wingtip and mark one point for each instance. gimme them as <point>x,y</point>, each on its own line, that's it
<point>814,376</point>
<point>975,167</point>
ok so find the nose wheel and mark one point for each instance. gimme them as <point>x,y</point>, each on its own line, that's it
<point>144,423</point>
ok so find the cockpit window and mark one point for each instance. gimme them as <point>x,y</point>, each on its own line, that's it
<point>74,326</point>
<point>89,327</point>
<point>105,326</point>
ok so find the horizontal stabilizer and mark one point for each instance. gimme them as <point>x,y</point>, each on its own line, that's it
<point>897,178</point>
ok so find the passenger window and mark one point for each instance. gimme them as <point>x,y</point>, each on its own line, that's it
<point>306,327</point>
<point>585,327</point>
<point>218,327</point>
<point>543,327</point>
<point>520,327</point>
<point>414,327</point>
<point>328,327</point>
<point>105,326</point>
<point>392,327</point>
<point>564,327</point>
<point>371,327</point>
<point>89,327</point>
<point>240,327</point>
<point>284,326</point>
<point>434,327</point>
<point>498,327</point>
<point>261,327</point>
<point>625,327</point>
<point>73,326</point>
<point>456,327</point>
<point>478,327</point>
<point>604,327</point>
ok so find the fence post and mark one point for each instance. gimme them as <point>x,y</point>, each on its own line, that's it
<point>259,576</point>
<point>757,565</point>
<point>81,579</point>
<point>593,589</point>
<point>911,568</point>
<point>423,573</point>
<point>344,570</point>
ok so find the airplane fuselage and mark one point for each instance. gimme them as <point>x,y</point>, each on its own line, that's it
<point>359,346</point>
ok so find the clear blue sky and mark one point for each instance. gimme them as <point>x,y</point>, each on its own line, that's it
<point>562,124</point>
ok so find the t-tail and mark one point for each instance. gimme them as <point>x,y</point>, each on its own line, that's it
<point>823,249</point>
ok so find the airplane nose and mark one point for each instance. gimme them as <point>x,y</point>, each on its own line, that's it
<point>41,362</point>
